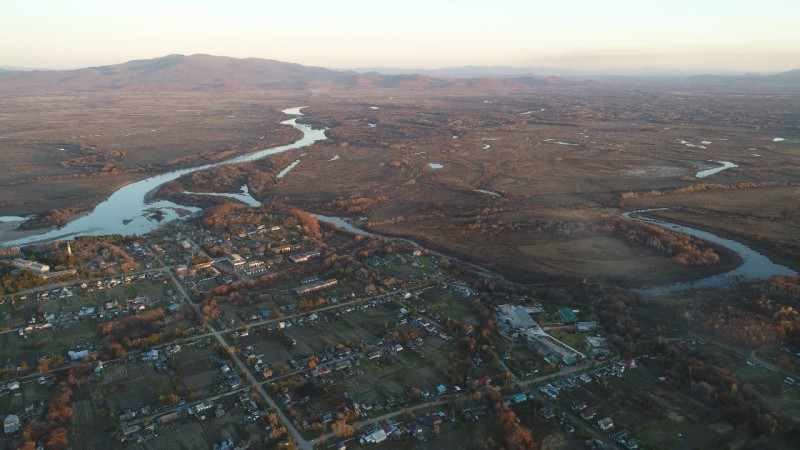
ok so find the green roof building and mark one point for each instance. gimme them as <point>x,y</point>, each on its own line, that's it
<point>567,315</point>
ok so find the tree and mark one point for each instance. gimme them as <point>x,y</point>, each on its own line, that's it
<point>44,367</point>
<point>58,438</point>
<point>342,429</point>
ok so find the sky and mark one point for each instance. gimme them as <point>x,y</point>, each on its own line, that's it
<point>609,35</point>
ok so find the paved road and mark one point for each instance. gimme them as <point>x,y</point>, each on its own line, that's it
<point>365,423</point>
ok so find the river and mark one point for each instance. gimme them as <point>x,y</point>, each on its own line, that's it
<point>708,172</point>
<point>755,266</point>
<point>128,210</point>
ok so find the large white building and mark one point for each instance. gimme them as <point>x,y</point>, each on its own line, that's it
<point>33,266</point>
<point>514,317</point>
<point>236,260</point>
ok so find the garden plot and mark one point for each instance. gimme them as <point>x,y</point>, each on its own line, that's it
<point>183,435</point>
<point>195,368</point>
<point>271,347</point>
<point>140,394</point>
<point>88,430</point>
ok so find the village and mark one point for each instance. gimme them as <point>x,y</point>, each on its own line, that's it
<point>266,329</point>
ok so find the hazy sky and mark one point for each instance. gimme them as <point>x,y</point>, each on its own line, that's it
<point>750,35</point>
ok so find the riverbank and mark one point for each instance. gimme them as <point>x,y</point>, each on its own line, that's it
<point>755,266</point>
<point>128,211</point>
<point>776,250</point>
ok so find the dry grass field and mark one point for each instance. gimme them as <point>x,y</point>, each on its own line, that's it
<point>75,149</point>
<point>516,179</point>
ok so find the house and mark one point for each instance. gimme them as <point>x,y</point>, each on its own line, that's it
<point>303,257</point>
<point>588,414</point>
<point>166,418</point>
<point>546,413</point>
<point>482,381</point>
<point>11,424</point>
<point>412,428</point>
<point>567,315</point>
<point>315,286</point>
<point>624,438</point>
<point>342,365</point>
<point>375,437</point>
<point>586,326</point>
<point>282,249</point>
<point>440,389</point>
<point>605,423</point>
<point>519,398</point>
<point>236,260</point>
<point>74,356</point>
<point>434,418</point>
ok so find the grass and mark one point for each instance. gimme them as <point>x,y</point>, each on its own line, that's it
<point>63,340</point>
<point>131,291</point>
<point>425,260</point>
<point>341,325</point>
<point>574,340</point>
<point>372,368</point>
<point>5,404</point>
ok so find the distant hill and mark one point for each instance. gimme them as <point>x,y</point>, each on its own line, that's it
<point>218,73</point>
<point>641,74</point>
<point>788,77</point>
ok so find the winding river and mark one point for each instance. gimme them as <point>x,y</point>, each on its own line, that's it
<point>755,266</point>
<point>128,211</point>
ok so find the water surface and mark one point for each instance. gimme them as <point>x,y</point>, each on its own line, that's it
<point>755,266</point>
<point>128,210</point>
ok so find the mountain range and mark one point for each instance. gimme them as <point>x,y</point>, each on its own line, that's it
<point>219,73</point>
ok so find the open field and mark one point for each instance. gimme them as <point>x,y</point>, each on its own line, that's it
<point>85,146</point>
<point>525,179</point>
<point>767,219</point>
